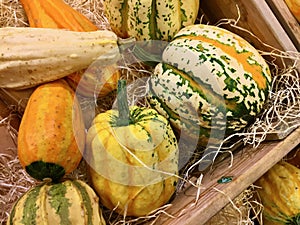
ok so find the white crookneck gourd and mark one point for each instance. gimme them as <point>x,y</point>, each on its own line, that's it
<point>31,56</point>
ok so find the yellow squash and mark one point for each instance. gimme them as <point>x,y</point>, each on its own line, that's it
<point>280,194</point>
<point>133,159</point>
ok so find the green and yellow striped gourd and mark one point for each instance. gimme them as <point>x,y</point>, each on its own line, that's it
<point>71,202</point>
<point>279,191</point>
<point>150,20</point>
<point>209,78</point>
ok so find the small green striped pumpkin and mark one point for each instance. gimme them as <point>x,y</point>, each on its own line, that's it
<point>209,78</point>
<point>150,20</point>
<point>69,202</point>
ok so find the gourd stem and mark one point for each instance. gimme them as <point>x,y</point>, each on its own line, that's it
<point>123,108</point>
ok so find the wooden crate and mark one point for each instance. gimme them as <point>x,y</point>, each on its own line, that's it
<point>245,168</point>
<point>266,25</point>
<point>287,20</point>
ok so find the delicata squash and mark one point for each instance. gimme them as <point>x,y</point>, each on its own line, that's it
<point>55,14</point>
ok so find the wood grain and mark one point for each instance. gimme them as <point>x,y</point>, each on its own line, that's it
<point>248,165</point>
<point>287,20</point>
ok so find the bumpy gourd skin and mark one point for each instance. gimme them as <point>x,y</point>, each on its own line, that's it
<point>117,156</point>
<point>32,56</point>
<point>279,191</point>
<point>51,134</point>
<point>70,202</point>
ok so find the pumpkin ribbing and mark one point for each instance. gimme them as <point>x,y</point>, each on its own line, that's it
<point>148,20</point>
<point>209,78</point>
<point>69,202</point>
<point>133,160</point>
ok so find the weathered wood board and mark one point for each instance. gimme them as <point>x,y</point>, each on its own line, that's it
<point>247,166</point>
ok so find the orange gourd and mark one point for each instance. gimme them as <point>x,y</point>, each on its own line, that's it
<point>55,14</point>
<point>51,134</point>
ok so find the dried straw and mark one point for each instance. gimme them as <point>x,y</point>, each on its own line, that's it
<point>242,210</point>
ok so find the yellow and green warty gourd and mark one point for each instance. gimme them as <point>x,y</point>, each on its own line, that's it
<point>150,20</point>
<point>209,78</point>
<point>133,159</point>
<point>279,191</point>
<point>71,202</point>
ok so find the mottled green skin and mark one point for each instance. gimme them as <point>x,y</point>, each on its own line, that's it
<point>41,170</point>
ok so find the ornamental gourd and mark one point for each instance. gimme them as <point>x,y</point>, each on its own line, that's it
<point>58,14</point>
<point>32,56</point>
<point>279,191</point>
<point>210,79</point>
<point>150,20</point>
<point>132,156</point>
<point>69,202</point>
<point>51,134</point>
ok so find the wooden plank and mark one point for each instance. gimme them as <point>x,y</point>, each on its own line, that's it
<point>8,117</point>
<point>17,98</point>
<point>287,20</point>
<point>248,165</point>
<point>255,17</point>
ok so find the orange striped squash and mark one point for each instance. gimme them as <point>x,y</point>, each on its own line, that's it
<point>95,82</point>
<point>55,14</point>
<point>51,133</point>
